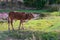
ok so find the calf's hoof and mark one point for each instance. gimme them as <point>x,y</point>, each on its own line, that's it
<point>22,28</point>
<point>13,29</point>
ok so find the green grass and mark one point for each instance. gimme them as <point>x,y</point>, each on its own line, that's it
<point>29,35</point>
<point>43,29</point>
<point>55,13</point>
<point>46,24</point>
<point>50,23</point>
<point>24,10</point>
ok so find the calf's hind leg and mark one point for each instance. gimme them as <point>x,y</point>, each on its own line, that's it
<point>12,24</point>
<point>22,24</point>
<point>19,25</point>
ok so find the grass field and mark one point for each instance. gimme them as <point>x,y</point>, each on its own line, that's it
<point>41,29</point>
<point>51,23</point>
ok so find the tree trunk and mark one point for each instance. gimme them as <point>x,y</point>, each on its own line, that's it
<point>6,3</point>
<point>15,4</point>
<point>11,4</point>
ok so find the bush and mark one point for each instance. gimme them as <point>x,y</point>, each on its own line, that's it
<point>36,4</point>
<point>53,8</point>
<point>38,35</point>
<point>49,36</point>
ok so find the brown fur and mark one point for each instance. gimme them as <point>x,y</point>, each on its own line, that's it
<point>22,16</point>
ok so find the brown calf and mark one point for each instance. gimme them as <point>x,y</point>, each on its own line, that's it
<point>22,16</point>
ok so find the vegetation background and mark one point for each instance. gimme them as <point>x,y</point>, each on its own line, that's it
<point>47,27</point>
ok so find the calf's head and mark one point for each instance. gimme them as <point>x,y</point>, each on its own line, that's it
<point>33,15</point>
